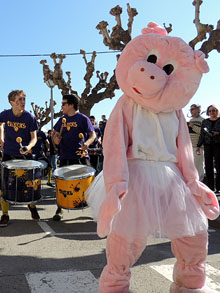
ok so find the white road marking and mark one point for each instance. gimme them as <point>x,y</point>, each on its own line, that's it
<point>62,281</point>
<point>49,231</point>
<point>46,228</point>
<point>167,271</point>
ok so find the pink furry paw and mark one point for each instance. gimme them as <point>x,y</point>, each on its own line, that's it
<point>211,212</point>
<point>103,228</point>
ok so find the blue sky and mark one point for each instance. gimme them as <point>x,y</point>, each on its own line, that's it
<point>43,27</point>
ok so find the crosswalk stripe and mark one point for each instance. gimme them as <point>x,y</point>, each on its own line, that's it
<point>46,228</point>
<point>167,271</point>
<point>49,231</point>
<point>62,281</point>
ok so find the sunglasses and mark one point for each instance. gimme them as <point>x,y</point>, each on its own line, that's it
<point>213,110</point>
<point>193,109</point>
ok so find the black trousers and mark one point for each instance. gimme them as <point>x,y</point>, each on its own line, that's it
<point>94,160</point>
<point>212,156</point>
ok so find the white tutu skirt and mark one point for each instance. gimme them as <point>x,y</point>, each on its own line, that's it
<point>158,202</point>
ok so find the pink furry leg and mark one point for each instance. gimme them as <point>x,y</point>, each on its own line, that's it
<point>189,270</point>
<point>121,255</point>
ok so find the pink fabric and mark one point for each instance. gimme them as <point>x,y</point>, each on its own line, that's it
<point>204,195</point>
<point>147,84</point>
<point>154,28</point>
<point>144,74</point>
<point>121,256</point>
<point>190,252</point>
<point>116,143</point>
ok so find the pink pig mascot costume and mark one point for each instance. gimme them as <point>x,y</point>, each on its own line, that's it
<point>149,174</point>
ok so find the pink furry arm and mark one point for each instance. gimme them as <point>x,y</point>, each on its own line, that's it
<point>204,195</point>
<point>115,170</point>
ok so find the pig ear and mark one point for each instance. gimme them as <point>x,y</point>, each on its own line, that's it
<point>153,27</point>
<point>200,62</point>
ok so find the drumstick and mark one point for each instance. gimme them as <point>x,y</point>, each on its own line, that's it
<point>19,140</point>
<point>61,128</point>
<point>81,136</point>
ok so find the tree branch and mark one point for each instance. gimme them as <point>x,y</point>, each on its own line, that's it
<point>119,37</point>
<point>202,29</point>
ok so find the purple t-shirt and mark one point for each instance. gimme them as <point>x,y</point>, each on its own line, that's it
<point>17,127</point>
<point>38,148</point>
<point>71,143</point>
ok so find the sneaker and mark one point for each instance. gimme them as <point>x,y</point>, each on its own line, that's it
<point>34,213</point>
<point>50,184</point>
<point>59,215</point>
<point>4,221</point>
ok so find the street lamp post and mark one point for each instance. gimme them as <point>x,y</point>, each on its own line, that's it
<point>51,85</point>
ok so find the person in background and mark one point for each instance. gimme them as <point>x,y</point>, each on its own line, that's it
<point>104,118</point>
<point>73,149</point>
<point>194,131</point>
<point>210,138</point>
<point>39,151</point>
<point>94,157</point>
<point>41,146</point>
<point>17,123</point>
<point>102,129</point>
<point>52,157</point>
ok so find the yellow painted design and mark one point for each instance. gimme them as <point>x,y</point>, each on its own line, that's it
<point>82,153</point>
<point>33,184</point>
<point>72,124</point>
<point>19,172</point>
<point>16,125</point>
<point>70,193</point>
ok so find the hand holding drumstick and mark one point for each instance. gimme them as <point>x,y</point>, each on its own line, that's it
<point>23,149</point>
<point>84,146</point>
<point>58,135</point>
<point>61,128</point>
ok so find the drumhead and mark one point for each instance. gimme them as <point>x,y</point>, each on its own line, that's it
<point>43,164</point>
<point>22,164</point>
<point>74,172</point>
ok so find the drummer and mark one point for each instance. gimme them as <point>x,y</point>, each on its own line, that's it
<point>16,122</point>
<point>66,134</point>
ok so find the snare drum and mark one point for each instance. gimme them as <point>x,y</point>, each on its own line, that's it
<point>21,181</point>
<point>71,184</point>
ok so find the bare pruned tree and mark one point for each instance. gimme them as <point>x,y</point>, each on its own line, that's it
<point>213,41</point>
<point>119,37</point>
<point>105,87</point>
<point>115,40</point>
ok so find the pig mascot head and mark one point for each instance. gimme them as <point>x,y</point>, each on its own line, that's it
<point>159,72</point>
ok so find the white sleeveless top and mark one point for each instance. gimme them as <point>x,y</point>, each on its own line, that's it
<point>154,135</point>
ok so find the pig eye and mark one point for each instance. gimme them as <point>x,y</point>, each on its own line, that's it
<point>168,68</point>
<point>152,58</point>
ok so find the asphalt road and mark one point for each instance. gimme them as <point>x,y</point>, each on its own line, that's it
<point>68,256</point>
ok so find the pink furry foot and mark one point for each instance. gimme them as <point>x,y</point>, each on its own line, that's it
<point>176,289</point>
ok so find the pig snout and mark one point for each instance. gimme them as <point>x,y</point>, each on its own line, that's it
<point>146,78</point>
